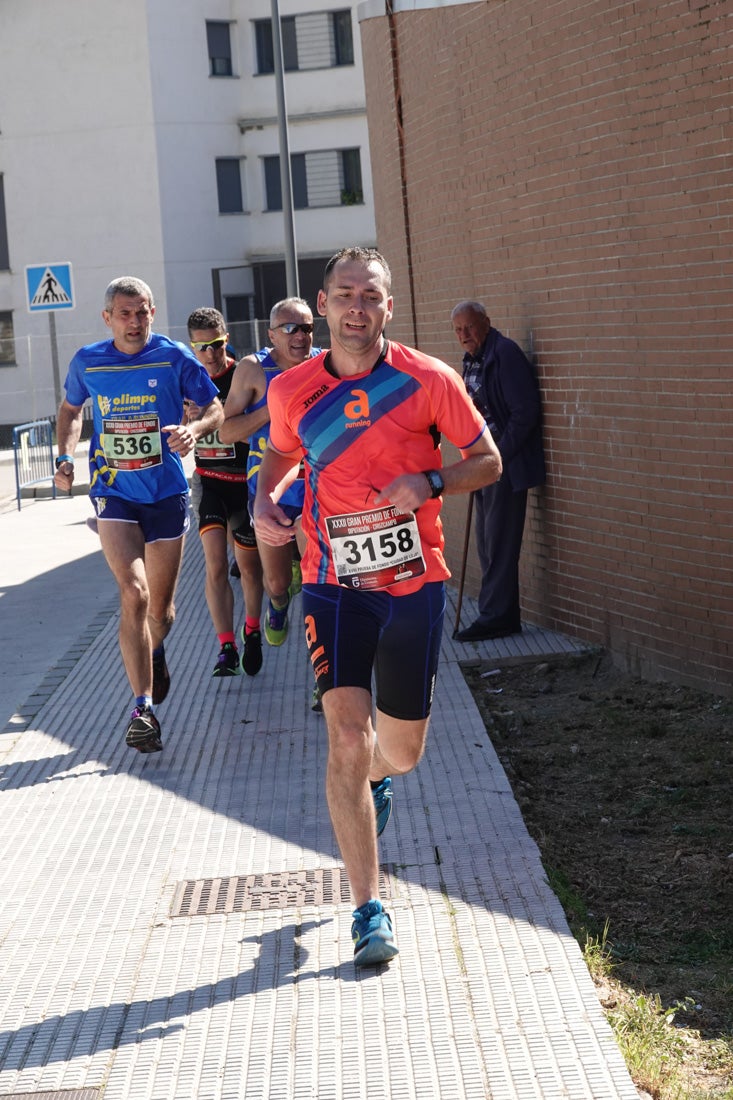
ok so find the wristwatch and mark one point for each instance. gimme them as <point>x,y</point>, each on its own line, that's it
<point>435,481</point>
<point>62,459</point>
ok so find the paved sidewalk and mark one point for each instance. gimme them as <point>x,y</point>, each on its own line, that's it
<point>178,926</point>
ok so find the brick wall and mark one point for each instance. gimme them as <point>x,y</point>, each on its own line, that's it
<point>570,164</point>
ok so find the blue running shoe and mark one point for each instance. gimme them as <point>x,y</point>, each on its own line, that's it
<point>382,795</point>
<point>372,935</point>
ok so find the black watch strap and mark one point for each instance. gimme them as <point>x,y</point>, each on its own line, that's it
<point>435,481</point>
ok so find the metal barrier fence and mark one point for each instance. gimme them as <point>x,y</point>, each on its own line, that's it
<point>33,451</point>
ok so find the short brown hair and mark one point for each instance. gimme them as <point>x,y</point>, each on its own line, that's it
<point>206,317</point>
<point>362,255</point>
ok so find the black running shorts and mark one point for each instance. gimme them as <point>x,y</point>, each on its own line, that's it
<point>351,633</point>
<point>224,503</point>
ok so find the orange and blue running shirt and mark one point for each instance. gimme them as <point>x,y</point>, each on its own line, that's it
<point>358,434</point>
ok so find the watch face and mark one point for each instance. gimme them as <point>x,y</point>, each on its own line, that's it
<point>436,483</point>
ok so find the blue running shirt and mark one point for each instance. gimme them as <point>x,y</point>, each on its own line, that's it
<point>133,397</point>
<point>294,495</point>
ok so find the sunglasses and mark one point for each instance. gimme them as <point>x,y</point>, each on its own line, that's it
<point>289,327</point>
<point>203,345</point>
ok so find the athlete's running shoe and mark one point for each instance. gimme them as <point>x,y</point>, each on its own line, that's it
<point>372,935</point>
<point>276,623</point>
<point>251,651</point>
<point>227,663</point>
<point>161,677</point>
<point>316,700</point>
<point>382,795</point>
<point>296,583</point>
<point>143,732</point>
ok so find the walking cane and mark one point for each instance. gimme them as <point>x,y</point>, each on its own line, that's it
<point>466,540</point>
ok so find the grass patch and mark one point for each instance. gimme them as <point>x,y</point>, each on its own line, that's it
<point>626,787</point>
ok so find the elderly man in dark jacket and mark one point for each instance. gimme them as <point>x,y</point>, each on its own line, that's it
<point>502,384</point>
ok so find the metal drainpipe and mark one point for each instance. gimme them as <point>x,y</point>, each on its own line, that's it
<point>395,55</point>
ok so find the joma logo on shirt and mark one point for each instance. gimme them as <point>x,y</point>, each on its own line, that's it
<point>357,411</point>
<point>314,396</point>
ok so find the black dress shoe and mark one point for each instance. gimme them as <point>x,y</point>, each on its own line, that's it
<point>482,632</point>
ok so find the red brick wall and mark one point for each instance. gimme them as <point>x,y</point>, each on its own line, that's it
<point>570,163</point>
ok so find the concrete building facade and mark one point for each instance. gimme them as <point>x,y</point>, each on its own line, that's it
<point>570,163</point>
<point>143,139</point>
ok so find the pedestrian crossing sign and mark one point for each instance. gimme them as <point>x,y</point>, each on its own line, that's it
<point>49,287</point>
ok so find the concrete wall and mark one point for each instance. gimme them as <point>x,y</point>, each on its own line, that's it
<point>110,126</point>
<point>569,162</point>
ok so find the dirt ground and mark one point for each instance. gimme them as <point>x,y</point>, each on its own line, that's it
<point>626,787</point>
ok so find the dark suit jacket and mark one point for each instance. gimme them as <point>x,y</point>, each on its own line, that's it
<point>510,395</point>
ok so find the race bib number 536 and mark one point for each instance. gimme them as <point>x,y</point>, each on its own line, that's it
<point>132,444</point>
<point>376,549</point>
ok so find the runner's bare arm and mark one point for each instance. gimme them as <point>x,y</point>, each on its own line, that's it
<point>182,437</point>
<point>277,472</point>
<point>248,386</point>
<point>68,433</point>
<point>479,465</point>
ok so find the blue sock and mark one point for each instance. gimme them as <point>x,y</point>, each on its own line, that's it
<point>144,701</point>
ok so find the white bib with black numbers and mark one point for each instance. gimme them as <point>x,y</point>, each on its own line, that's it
<point>375,549</point>
<point>132,444</point>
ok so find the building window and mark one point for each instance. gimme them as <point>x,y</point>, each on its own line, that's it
<point>273,190</point>
<point>218,40</point>
<point>343,42</point>
<point>229,185</point>
<point>318,40</point>
<point>4,250</point>
<point>266,48</point>
<point>328,177</point>
<point>270,285</point>
<point>7,341</point>
<point>352,193</point>
<point>239,308</point>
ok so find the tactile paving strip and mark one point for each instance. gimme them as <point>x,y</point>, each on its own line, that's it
<point>66,1094</point>
<point>278,890</point>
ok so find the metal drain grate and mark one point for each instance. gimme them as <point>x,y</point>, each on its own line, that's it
<point>64,1094</point>
<point>277,890</point>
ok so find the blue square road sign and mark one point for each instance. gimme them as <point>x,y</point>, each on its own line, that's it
<point>49,287</point>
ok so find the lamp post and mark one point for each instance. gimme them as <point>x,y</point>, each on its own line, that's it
<point>286,181</point>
